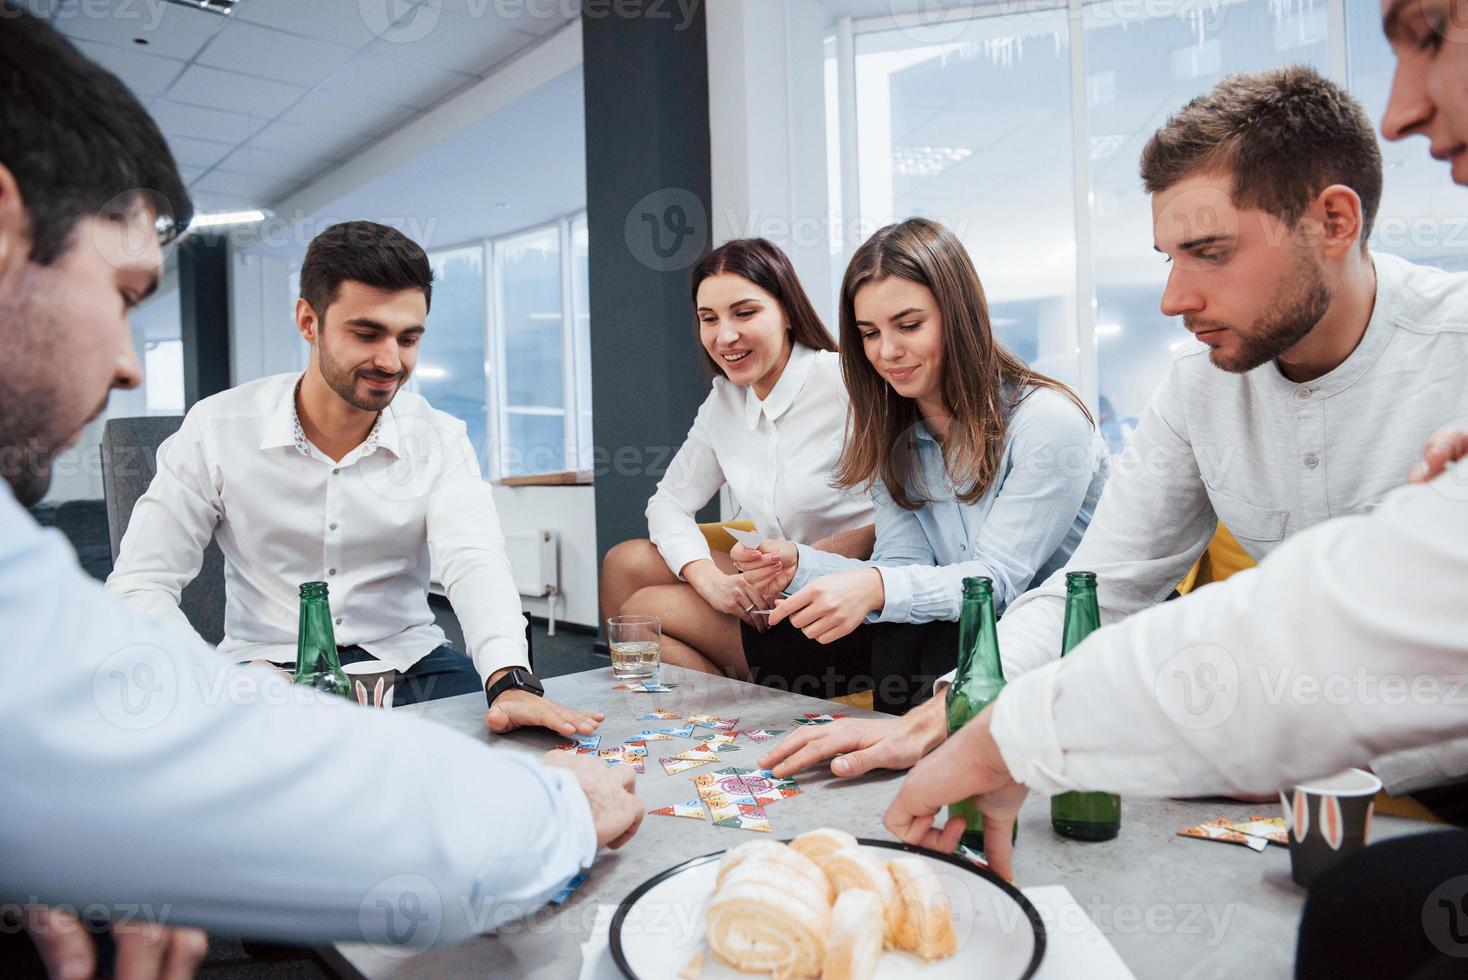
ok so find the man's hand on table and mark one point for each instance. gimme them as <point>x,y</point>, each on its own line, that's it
<point>520,709</point>
<point>144,951</point>
<point>861,744</point>
<point>615,806</point>
<point>968,764</point>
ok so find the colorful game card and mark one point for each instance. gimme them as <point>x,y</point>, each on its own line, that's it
<point>662,734</point>
<point>713,721</point>
<point>571,887</point>
<point>719,741</point>
<point>763,734</point>
<point>1221,830</point>
<point>692,809</point>
<point>642,687</point>
<point>660,714</point>
<point>672,765</point>
<point>737,797</point>
<point>620,757</point>
<point>817,719</point>
<point>585,745</point>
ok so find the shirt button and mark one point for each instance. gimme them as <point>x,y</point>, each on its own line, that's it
<point>963,547</point>
<point>332,526</point>
<point>331,571</point>
<point>335,472</point>
<point>1303,393</point>
<point>1312,461</point>
<point>338,621</point>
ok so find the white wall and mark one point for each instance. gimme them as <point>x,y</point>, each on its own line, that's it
<point>263,339</point>
<point>571,512</point>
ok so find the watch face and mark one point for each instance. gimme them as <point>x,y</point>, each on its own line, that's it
<point>529,682</point>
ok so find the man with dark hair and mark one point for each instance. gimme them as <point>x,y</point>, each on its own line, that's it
<point>1324,368</point>
<point>339,476</point>
<point>184,777</point>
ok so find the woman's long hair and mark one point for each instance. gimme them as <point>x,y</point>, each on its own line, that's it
<point>981,381</point>
<point>762,263</point>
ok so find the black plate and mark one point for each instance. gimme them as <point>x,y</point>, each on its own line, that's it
<point>953,859</point>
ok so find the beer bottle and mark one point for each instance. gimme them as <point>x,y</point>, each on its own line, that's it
<point>316,662</point>
<point>976,684</point>
<point>1083,816</point>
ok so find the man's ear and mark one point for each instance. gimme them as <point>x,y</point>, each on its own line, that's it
<point>15,226</point>
<point>1338,209</point>
<point>306,321</point>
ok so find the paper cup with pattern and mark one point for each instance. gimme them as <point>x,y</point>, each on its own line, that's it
<point>1328,820</point>
<point>373,683</point>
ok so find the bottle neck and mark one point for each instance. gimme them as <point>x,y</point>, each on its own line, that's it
<point>316,641</point>
<point>978,641</point>
<point>1082,615</point>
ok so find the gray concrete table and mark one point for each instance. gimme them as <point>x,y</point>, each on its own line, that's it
<point>1171,906</point>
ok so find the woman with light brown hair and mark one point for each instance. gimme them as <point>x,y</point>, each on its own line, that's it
<point>976,465</point>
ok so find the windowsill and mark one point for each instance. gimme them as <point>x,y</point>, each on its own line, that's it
<point>577,478</point>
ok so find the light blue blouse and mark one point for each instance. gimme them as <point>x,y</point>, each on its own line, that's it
<point>1024,527</point>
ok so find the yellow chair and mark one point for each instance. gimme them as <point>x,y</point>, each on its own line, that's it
<point>721,540</point>
<point>1223,557</point>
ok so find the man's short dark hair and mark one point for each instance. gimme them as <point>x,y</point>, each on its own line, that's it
<point>1285,135</point>
<point>365,252</point>
<point>76,140</point>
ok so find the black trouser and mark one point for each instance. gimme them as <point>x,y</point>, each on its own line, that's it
<point>1396,909</point>
<point>897,662</point>
<point>443,673</point>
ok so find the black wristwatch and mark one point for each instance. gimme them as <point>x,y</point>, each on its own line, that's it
<point>515,679</point>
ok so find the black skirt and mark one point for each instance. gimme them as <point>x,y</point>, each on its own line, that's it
<point>897,662</point>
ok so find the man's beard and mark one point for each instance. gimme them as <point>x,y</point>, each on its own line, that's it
<point>343,381</point>
<point>1295,312</point>
<point>30,392</point>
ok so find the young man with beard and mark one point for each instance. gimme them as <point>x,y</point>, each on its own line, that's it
<point>141,769</point>
<point>337,475</point>
<point>1325,369</point>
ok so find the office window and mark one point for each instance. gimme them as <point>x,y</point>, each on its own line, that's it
<point>581,340</point>
<point>451,369</point>
<point>1145,68</point>
<point>531,334</point>
<point>163,376</point>
<point>975,132</point>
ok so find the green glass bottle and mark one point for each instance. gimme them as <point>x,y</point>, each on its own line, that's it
<point>976,684</point>
<point>316,662</point>
<point>1083,816</point>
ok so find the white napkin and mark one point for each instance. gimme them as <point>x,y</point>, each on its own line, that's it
<point>596,954</point>
<point>1074,946</point>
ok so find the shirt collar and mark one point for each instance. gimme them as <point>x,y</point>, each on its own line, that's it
<point>1385,308</point>
<point>283,428</point>
<point>779,400</point>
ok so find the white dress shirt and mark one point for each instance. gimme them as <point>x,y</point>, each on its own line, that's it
<point>778,457</point>
<point>1267,457</point>
<point>284,513</point>
<point>1348,641</point>
<point>141,767</point>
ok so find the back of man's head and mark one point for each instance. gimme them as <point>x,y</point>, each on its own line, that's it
<point>1284,135</point>
<point>76,140</point>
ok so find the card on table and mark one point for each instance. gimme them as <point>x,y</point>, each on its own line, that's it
<point>570,888</point>
<point>672,765</point>
<point>713,721</point>
<point>660,714</point>
<point>662,734</point>
<point>585,745</point>
<point>642,687</point>
<point>1221,830</point>
<point>719,741</point>
<point>817,719</point>
<point>620,757</point>
<point>763,734</point>
<point>692,809</point>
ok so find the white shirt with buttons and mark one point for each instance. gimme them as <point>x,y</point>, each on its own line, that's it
<point>1263,455</point>
<point>777,455</point>
<point>240,470</point>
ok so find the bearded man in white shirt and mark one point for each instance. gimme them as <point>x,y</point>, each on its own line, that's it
<point>337,475</point>
<point>1326,368</point>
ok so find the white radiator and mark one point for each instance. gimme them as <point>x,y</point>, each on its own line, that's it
<point>535,561</point>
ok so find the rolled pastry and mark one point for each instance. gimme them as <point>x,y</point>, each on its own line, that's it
<point>818,844</point>
<point>855,942</point>
<point>790,861</point>
<point>926,927</point>
<point>757,923</point>
<point>858,869</point>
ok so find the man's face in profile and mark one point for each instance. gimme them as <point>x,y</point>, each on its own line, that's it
<point>66,342</point>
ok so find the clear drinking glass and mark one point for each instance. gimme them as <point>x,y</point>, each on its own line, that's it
<point>635,642</point>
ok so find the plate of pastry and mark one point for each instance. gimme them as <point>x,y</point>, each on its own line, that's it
<point>827,905</point>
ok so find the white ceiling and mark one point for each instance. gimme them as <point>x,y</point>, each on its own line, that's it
<point>257,104</point>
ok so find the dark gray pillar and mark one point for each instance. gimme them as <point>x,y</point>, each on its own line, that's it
<point>647,202</point>
<point>203,288</point>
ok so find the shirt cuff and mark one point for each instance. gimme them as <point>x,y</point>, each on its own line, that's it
<point>807,568</point>
<point>578,813</point>
<point>1023,726</point>
<point>498,654</point>
<point>897,587</point>
<point>679,554</point>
